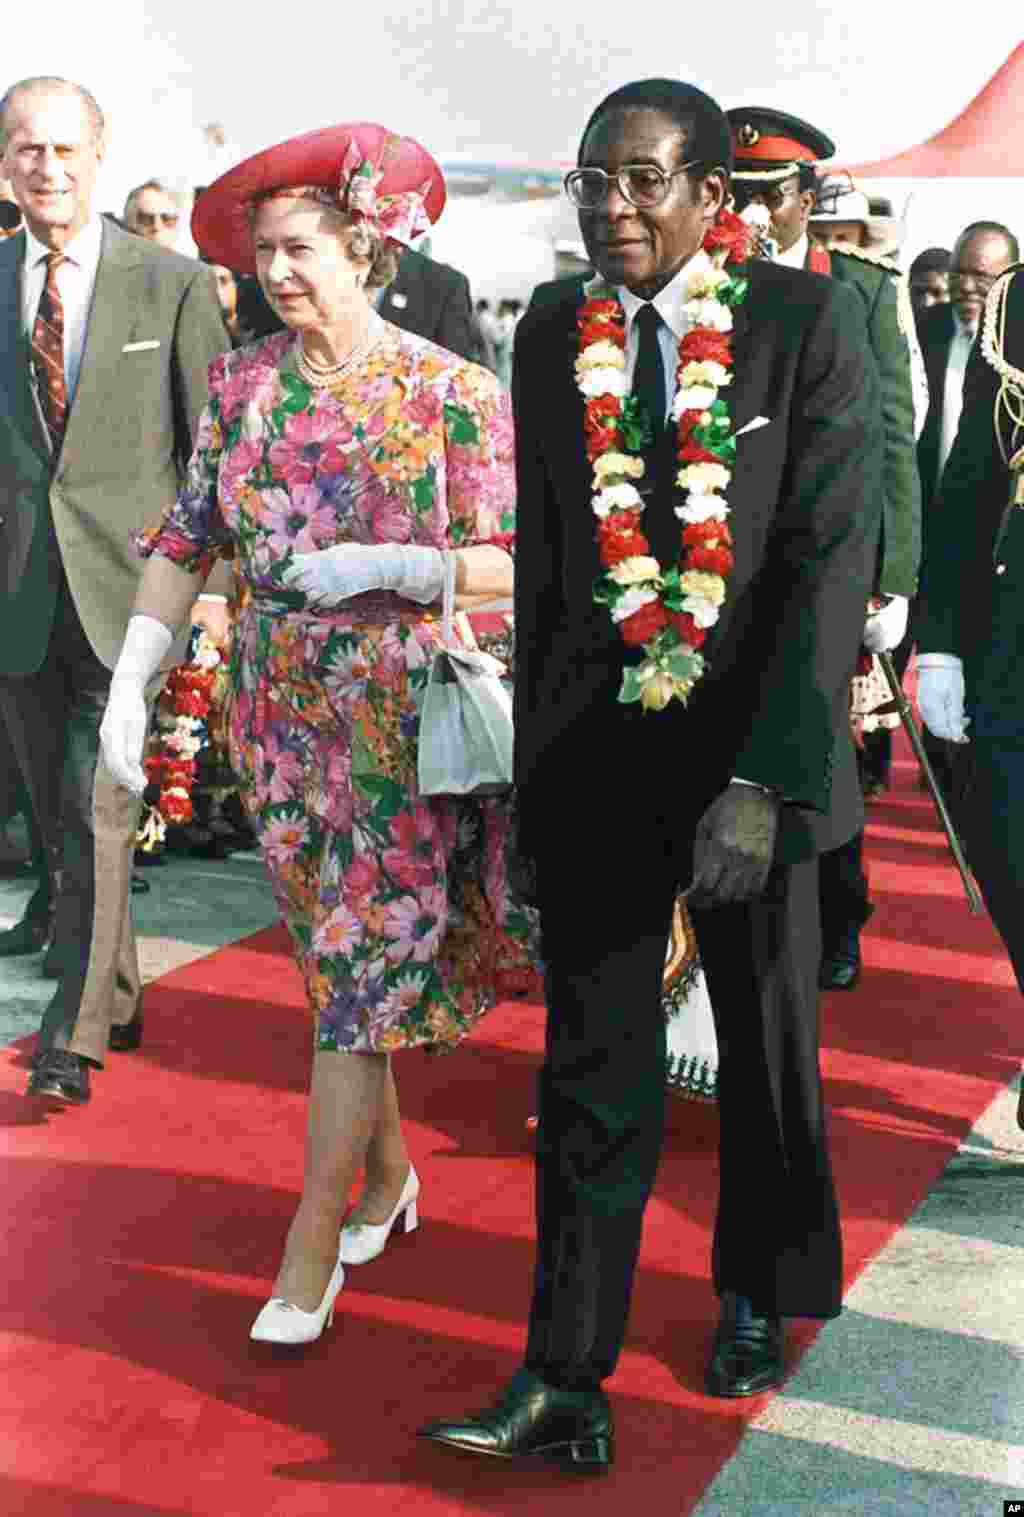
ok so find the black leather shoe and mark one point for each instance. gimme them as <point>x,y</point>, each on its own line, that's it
<point>840,970</point>
<point>62,1075</point>
<point>536,1421</point>
<point>746,1357</point>
<point>27,936</point>
<point>127,1037</point>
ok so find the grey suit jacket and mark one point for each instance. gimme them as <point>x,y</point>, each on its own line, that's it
<point>154,327</point>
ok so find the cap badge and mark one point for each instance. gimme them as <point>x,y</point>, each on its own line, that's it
<point>748,135</point>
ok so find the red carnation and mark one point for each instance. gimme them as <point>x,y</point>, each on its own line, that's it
<point>644,624</point>
<point>692,453</point>
<point>592,331</point>
<point>597,310</point>
<point>705,346</point>
<point>175,807</point>
<point>688,629</point>
<point>615,544</point>
<point>697,534</point>
<point>711,561</point>
<point>730,232</point>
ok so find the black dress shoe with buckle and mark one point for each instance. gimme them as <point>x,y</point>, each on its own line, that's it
<point>537,1422</point>
<point>61,1075</point>
<point>128,1036</point>
<point>746,1357</point>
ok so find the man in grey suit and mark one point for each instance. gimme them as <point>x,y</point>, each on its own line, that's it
<point>104,347</point>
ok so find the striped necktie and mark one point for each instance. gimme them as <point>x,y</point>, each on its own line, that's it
<point>48,353</point>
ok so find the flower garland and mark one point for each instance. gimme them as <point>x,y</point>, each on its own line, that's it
<point>667,613</point>
<point>182,714</point>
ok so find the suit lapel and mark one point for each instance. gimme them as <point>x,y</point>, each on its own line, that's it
<point>15,376</point>
<point>117,295</point>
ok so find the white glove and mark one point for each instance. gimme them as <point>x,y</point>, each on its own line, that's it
<point>940,695</point>
<point>123,729</point>
<point>335,574</point>
<point>886,629</point>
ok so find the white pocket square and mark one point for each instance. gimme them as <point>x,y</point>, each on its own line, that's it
<point>752,426</point>
<point>141,347</point>
<point>396,298</point>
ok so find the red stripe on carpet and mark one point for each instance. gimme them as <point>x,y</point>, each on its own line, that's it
<point>143,1233</point>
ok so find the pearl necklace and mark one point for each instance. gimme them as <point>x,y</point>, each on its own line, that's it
<point>320,376</point>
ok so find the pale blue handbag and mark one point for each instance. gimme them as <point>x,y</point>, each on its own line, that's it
<point>465,741</point>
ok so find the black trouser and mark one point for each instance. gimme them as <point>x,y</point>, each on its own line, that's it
<point>995,837</point>
<point>53,717</point>
<point>842,893</point>
<point>607,880</point>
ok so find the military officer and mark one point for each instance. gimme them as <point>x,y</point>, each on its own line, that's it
<point>778,160</point>
<point>971,637</point>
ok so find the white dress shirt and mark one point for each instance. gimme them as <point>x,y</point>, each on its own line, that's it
<point>76,280</point>
<point>953,390</point>
<point>794,257</point>
<point>669,304</point>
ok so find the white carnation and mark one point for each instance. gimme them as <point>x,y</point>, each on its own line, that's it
<point>709,587</point>
<point>705,371</point>
<point>709,313</point>
<point>700,508</point>
<point>692,398</point>
<point>604,381</point>
<point>623,497</point>
<point>631,601</point>
<point>703,478</point>
<point>617,463</point>
<point>703,611</point>
<point>637,570</point>
<point>601,355</point>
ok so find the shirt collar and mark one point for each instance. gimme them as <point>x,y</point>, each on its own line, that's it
<point>796,256</point>
<point>670,303</point>
<point>964,334</point>
<point>83,250</point>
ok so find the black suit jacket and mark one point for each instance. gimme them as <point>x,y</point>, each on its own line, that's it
<point>935,332</point>
<point>967,608</point>
<point>805,499</point>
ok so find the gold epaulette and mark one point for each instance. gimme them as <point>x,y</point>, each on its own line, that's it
<point>879,260</point>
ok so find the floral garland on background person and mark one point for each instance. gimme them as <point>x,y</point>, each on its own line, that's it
<point>182,731</point>
<point>667,613</point>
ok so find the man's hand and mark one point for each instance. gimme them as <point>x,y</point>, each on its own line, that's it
<point>734,846</point>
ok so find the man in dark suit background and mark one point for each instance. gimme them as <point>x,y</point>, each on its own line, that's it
<point>426,297</point>
<point>947,334</point>
<point>970,634</point>
<point>619,808</point>
<point>103,357</point>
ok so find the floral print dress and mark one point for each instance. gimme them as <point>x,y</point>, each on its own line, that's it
<point>397,905</point>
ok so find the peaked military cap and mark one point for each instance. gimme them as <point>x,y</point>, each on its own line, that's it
<point>769,144</point>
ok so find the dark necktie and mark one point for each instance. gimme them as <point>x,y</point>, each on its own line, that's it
<point>48,353</point>
<point>649,374</point>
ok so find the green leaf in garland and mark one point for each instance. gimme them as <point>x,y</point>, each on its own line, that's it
<point>630,691</point>
<point>637,433</point>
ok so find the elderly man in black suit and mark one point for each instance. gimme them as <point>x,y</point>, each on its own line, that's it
<point>621,805</point>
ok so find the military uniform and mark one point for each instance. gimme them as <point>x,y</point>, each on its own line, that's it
<point>972,601</point>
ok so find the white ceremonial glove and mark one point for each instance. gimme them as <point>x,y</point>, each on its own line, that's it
<point>123,729</point>
<point>336,574</point>
<point>940,695</point>
<point>886,629</point>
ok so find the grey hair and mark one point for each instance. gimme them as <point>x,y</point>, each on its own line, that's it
<point>52,84</point>
<point>154,184</point>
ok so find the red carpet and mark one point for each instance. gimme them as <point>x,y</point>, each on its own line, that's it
<point>143,1232</point>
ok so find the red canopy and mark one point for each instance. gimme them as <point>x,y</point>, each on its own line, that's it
<point>985,141</point>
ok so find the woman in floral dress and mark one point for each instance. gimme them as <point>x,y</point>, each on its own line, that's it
<point>339,463</point>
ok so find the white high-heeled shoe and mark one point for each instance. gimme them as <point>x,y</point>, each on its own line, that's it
<point>281,1322</point>
<point>363,1241</point>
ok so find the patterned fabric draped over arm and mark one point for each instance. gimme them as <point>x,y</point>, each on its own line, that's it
<point>479,461</point>
<point>192,532</point>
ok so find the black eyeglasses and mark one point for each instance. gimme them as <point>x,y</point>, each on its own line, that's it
<point>642,184</point>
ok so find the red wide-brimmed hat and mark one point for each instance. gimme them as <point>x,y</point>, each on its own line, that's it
<point>391,182</point>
